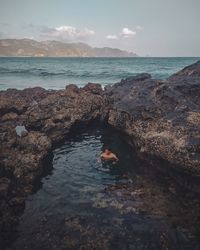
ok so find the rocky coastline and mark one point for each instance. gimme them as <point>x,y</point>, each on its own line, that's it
<point>161,120</point>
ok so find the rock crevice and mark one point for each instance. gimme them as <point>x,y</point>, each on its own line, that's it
<point>161,118</point>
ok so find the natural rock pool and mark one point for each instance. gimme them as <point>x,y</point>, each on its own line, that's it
<point>83,203</point>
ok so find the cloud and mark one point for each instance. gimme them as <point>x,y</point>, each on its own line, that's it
<point>67,33</point>
<point>112,37</point>
<point>126,33</point>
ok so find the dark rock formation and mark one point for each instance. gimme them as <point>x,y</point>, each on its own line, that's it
<point>189,71</point>
<point>161,118</point>
<point>48,117</point>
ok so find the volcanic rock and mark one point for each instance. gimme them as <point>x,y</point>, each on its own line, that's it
<point>162,118</point>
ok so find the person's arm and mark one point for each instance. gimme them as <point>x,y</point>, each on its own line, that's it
<point>115,157</point>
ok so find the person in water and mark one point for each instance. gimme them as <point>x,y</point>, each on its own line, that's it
<point>109,156</point>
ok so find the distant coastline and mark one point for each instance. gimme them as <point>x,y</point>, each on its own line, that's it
<point>32,48</point>
<point>101,57</point>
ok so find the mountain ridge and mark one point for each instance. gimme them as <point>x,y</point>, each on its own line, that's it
<point>52,48</point>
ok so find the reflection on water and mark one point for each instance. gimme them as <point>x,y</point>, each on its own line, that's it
<point>86,204</point>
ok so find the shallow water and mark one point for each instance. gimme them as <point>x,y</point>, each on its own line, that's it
<point>83,203</point>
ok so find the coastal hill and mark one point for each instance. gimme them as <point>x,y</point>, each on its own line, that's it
<point>28,47</point>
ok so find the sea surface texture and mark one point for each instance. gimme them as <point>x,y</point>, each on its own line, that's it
<point>56,73</point>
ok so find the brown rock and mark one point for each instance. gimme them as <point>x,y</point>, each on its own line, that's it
<point>72,87</point>
<point>94,88</point>
<point>161,117</point>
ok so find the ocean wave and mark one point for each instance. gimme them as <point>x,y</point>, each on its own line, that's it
<point>31,71</point>
<point>67,73</point>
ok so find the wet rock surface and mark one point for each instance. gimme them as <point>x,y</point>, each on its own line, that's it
<point>161,119</point>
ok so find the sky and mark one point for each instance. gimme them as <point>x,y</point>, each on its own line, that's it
<point>146,27</point>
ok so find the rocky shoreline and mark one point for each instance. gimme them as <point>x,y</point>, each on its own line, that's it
<point>161,119</point>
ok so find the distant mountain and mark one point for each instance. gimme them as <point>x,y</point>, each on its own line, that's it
<point>28,47</point>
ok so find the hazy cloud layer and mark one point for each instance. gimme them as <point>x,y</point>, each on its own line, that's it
<point>112,37</point>
<point>125,33</point>
<point>66,33</point>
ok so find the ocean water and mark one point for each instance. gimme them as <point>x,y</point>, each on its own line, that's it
<point>56,73</point>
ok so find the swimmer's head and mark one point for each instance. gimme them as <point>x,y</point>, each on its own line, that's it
<point>107,151</point>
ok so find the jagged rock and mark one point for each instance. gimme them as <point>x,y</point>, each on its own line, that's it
<point>72,87</point>
<point>47,116</point>
<point>94,88</point>
<point>17,101</point>
<point>10,116</point>
<point>189,71</point>
<point>161,117</point>
<point>56,114</point>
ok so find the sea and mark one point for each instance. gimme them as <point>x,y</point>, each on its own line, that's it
<point>56,73</point>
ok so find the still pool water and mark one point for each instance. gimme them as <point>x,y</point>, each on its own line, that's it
<point>83,203</point>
